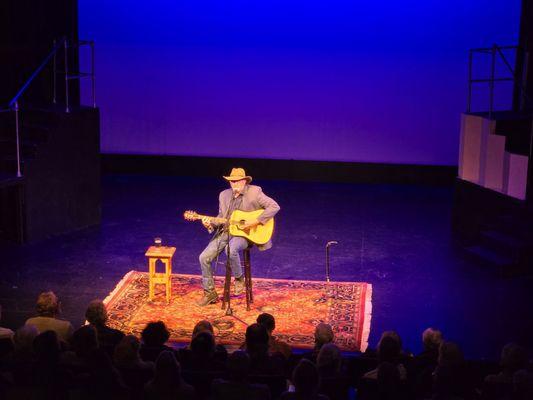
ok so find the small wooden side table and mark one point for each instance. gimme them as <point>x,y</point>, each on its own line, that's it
<point>164,254</point>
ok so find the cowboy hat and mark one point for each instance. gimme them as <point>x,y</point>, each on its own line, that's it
<point>237,174</point>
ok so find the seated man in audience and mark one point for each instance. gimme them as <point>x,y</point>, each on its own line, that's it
<point>201,356</point>
<point>23,341</point>
<point>154,336</point>
<point>510,382</point>
<point>47,375</point>
<point>334,383</point>
<point>237,386</point>
<point>274,345</point>
<point>431,340</point>
<point>422,366</point>
<point>451,378</point>
<point>127,354</point>
<point>513,358</point>
<point>83,343</point>
<point>523,384</point>
<point>257,348</point>
<point>221,354</point>
<point>22,359</point>
<point>329,361</point>
<point>168,382</point>
<point>48,308</point>
<point>389,351</point>
<point>134,371</point>
<point>306,381</point>
<point>103,380</point>
<point>108,338</point>
<point>323,334</point>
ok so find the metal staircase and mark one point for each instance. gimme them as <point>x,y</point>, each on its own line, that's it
<point>492,216</point>
<point>29,146</point>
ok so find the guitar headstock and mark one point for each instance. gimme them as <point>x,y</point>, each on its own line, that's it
<point>190,215</point>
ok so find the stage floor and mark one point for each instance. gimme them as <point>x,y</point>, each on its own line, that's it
<point>396,237</point>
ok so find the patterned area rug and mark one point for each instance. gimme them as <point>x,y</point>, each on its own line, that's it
<point>298,307</point>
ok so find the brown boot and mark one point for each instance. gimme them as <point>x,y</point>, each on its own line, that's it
<point>209,297</point>
<point>239,285</point>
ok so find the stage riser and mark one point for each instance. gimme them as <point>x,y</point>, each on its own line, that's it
<point>493,227</point>
<point>62,173</point>
<point>484,160</point>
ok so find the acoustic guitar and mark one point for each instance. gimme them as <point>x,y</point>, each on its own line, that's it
<point>259,234</point>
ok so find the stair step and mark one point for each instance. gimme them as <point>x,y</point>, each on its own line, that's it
<point>34,132</point>
<point>489,256</point>
<point>503,241</point>
<point>9,147</point>
<point>30,125</point>
<point>9,179</point>
<point>8,165</point>
<point>513,225</point>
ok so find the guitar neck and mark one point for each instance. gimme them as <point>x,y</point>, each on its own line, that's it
<point>216,220</point>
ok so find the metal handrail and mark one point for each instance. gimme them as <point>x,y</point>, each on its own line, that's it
<point>36,72</point>
<point>494,51</point>
<point>13,105</point>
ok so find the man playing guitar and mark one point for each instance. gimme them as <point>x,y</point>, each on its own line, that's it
<point>240,196</point>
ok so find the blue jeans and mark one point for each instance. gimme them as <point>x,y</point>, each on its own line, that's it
<point>213,249</point>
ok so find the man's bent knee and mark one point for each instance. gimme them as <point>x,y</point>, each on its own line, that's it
<point>204,258</point>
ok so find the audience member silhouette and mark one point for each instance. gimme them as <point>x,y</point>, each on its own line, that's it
<point>96,315</point>
<point>167,382</point>
<point>306,381</point>
<point>127,354</point>
<point>154,336</point>
<point>257,348</point>
<point>237,385</point>
<point>221,354</point>
<point>103,380</point>
<point>451,375</point>
<point>134,371</point>
<point>44,364</point>
<point>48,308</point>
<point>323,334</point>
<point>274,344</point>
<point>513,358</point>
<point>47,376</point>
<point>389,350</point>
<point>422,365</point>
<point>334,383</point>
<point>84,342</point>
<point>21,361</point>
<point>202,354</point>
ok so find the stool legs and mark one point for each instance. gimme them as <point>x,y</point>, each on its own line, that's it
<point>168,276</point>
<point>151,273</point>
<point>159,277</point>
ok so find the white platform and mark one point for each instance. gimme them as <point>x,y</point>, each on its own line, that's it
<point>484,161</point>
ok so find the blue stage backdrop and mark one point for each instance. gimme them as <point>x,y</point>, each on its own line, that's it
<point>323,80</point>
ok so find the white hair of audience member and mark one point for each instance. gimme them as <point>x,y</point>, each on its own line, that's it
<point>323,334</point>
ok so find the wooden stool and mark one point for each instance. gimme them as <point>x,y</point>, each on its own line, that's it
<point>164,254</point>
<point>247,277</point>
